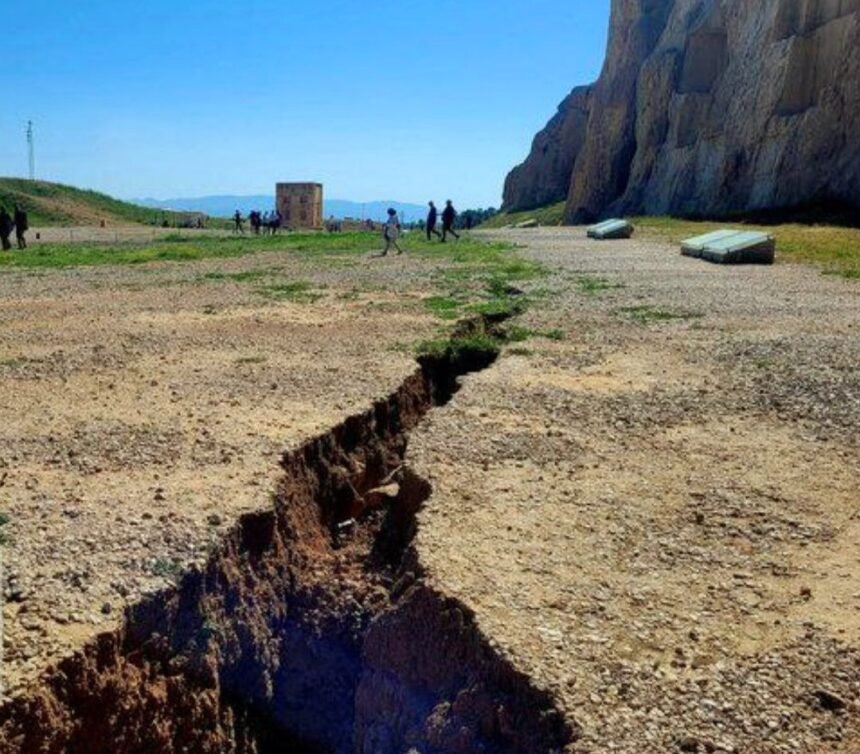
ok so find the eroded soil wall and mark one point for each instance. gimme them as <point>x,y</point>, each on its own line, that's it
<point>309,629</point>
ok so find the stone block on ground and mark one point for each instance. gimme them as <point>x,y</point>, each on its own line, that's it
<point>693,247</point>
<point>750,247</point>
<point>611,230</point>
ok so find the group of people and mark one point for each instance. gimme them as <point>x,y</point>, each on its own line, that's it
<point>449,215</point>
<point>392,228</point>
<point>17,222</point>
<point>265,222</point>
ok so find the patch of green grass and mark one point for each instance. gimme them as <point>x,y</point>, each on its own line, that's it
<point>298,292</point>
<point>519,334</point>
<point>185,249</point>
<point>500,307</point>
<point>591,285</point>
<point>848,274</point>
<point>251,360</point>
<point>554,334</point>
<point>166,568</point>
<point>249,276</point>
<point>645,314</point>
<point>13,362</point>
<point>458,346</point>
<point>763,363</point>
<point>444,307</point>
<point>84,255</point>
<point>551,215</point>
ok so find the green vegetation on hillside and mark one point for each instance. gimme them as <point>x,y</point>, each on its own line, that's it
<point>56,204</point>
<point>551,215</point>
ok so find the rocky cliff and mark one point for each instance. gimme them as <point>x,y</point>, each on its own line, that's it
<point>707,107</point>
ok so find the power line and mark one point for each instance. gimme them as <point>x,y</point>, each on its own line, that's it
<point>31,149</point>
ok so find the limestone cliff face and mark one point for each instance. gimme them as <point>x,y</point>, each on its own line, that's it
<point>544,178</point>
<point>709,107</point>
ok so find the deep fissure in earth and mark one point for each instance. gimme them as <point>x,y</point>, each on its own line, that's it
<point>311,628</point>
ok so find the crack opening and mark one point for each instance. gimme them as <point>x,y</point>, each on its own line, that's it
<point>310,629</point>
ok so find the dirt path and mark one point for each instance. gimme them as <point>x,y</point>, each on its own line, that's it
<point>658,516</point>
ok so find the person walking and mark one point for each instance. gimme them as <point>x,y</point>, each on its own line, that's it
<point>391,232</point>
<point>449,215</point>
<point>432,219</point>
<point>6,227</point>
<point>21,227</point>
<point>237,220</point>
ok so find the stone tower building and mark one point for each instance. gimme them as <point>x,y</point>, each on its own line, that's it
<point>300,205</point>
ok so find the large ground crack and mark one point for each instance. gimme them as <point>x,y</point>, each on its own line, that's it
<point>311,628</point>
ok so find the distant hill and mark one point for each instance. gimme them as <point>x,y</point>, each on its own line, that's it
<point>226,205</point>
<point>56,204</point>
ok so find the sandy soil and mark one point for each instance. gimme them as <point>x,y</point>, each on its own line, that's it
<point>143,409</point>
<point>658,517</point>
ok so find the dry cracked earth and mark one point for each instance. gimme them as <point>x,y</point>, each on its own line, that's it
<point>653,512</point>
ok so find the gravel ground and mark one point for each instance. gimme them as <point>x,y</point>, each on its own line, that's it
<point>654,515</point>
<point>658,516</point>
<point>142,409</point>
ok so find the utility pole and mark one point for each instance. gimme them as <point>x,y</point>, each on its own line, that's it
<point>31,150</point>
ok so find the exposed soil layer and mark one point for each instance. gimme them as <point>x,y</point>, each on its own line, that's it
<point>310,628</point>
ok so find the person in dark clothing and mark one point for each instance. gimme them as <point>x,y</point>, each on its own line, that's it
<point>6,226</point>
<point>21,227</point>
<point>449,214</point>
<point>237,222</point>
<point>432,218</point>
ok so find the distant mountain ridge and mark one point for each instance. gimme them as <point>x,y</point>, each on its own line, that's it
<point>225,205</point>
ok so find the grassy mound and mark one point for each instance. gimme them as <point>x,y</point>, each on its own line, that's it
<point>56,204</point>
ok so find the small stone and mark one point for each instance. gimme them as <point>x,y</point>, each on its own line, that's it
<point>107,608</point>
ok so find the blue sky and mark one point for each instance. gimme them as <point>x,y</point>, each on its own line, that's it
<point>378,100</point>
